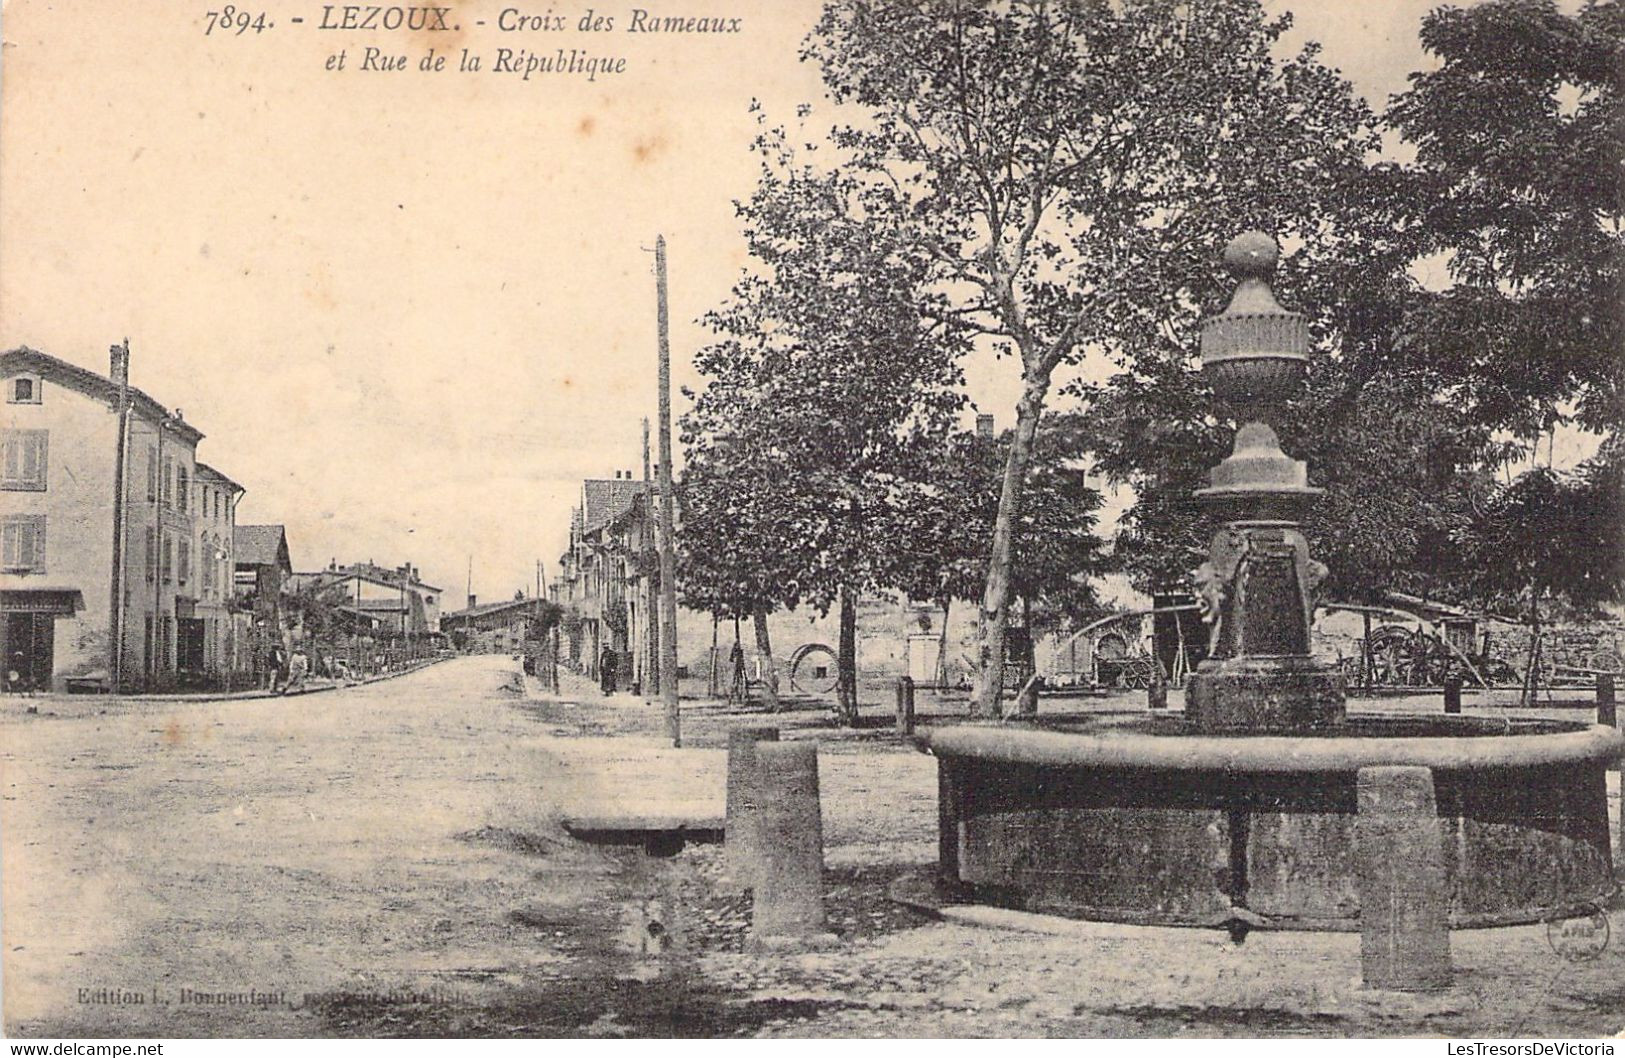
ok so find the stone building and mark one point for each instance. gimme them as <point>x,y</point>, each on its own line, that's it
<point>100,582</point>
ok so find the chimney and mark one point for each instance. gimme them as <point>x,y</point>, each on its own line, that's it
<point>118,364</point>
<point>984,427</point>
<point>472,601</point>
<point>628,475</point>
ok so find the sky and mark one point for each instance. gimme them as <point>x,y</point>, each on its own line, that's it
<point>412,310</point>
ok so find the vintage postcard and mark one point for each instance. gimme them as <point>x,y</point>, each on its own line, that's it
<point>811,518</point>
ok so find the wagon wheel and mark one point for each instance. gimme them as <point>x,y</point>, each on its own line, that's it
<point>1388,649</point>
<point>1136,674</point>
<point>808,681</point>
<point>1433,661</point>
<point>1111,647</point>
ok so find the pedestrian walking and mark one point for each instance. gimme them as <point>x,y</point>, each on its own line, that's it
<point>606,671</point>
<point>277,659</point>
<point>298,666</point>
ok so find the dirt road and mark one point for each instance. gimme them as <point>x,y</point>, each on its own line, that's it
<point>386,860</point>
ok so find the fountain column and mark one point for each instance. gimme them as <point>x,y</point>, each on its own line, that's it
<point>1256,589</point>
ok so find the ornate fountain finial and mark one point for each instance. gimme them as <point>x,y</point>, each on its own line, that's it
<point>1252,253</point>
<point>1256,588</point>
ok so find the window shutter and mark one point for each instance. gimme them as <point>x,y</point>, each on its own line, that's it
<point>34,460</point>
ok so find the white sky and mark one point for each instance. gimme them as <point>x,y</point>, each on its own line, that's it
<point>411,312</point>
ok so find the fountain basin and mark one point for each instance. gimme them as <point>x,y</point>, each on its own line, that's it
<point>1148,820</point>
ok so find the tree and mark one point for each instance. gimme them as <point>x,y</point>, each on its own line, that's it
<point>1071,165</point>
<point>835,370</point>
<point>1549,535</point>
<point>1517,184</point>
<point>731,560</point>
<point>1055,550</point>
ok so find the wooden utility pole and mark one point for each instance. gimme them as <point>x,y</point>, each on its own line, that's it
<point>668,558</point>
<point>651,608</point>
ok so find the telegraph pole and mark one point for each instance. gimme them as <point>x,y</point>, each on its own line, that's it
<point>651,606</point>
<point>668,559</point>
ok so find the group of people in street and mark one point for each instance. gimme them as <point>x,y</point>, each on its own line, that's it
<point>289,668</point>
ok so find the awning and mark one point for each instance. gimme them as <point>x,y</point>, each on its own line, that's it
<point>42,600</point>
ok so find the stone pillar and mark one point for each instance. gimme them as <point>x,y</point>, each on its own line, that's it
<point>905,705</point>
<point>949,823</point>
<point>1452,694</point>
<point>744,799</point>
<point>787,907</point>
<point>1257,588</point>
<point>1399,864</point>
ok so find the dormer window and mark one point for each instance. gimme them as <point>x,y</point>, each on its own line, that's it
<point>23,389</point>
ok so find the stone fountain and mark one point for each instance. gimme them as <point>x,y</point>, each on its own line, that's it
<point>1241,814</point>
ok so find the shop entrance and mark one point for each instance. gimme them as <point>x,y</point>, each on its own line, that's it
<point>28,645</point>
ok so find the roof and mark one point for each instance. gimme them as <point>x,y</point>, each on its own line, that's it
<point>204,470</point>
<point>605,500</point>
<point>86,381</point>
<point>261,545</point>
<point>387,578</point>
<point>485,608</point>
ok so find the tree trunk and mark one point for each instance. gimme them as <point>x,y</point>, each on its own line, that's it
<point>712,689</point>
<point>942,649</point>
<point>994,619</point>
<point>770,668</point>
<point>846,662</point>
<point>1027,700</point>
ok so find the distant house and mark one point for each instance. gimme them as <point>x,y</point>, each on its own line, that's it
<point>387,601</point>
<point>492,628</point>
<point>262,567</point>
<point>608,582</point>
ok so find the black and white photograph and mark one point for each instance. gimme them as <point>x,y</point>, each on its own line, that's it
<point>812,519</point>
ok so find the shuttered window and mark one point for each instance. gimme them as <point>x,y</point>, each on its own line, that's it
<point>24,459</point>
<point>22,543</point>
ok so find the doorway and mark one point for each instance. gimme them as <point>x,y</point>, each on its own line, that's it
<point>189,652</point>
<point>29,648</point>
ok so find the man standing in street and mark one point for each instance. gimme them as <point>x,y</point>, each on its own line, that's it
<point>606,671</point>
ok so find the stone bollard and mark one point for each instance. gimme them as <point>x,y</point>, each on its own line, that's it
<point>787,907</point>
<point>1607,712</point>
<point>1452,694</point>
<point>741,826</point>
<point>1399,863</point>
<point>905,705</point>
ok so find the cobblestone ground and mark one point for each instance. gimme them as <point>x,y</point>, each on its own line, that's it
<point>388,860</point>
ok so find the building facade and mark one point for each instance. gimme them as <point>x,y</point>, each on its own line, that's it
<point>608,580</point>
<point>100,578</point>
<point>492,628</point>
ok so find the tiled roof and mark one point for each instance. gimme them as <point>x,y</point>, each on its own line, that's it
<point>489,607</point>
<point>87,381</point>
<point>603,500</point>
<point>259,545</point>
